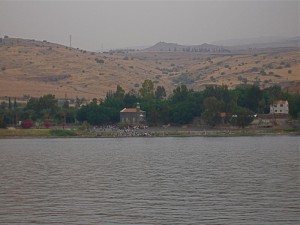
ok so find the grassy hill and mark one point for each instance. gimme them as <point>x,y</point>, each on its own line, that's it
<point>36,68</point>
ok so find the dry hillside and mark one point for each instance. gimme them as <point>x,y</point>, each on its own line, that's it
<point>36,68</point>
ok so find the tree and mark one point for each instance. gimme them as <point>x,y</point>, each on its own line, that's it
<point>46,102</point>
<point>160,92</point>
<point>130,99</point>
<point>9,104</point>
<point>2,121</point>
<point>3,105</point>
<point>15,103</point>
<point>294,106</point>
<point>119,93</point>
<point>147,90</point>
<point>242,117</point>
<point>249,96</point>
<point>185,105</point>
<point>220,92</point>
<point>212,109</point>
<point>180,93</point>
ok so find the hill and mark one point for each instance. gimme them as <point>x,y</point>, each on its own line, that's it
<point>35,68</point>
<point>173,47</point>
<point>262,42</point>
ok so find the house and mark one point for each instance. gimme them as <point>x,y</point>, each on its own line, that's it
<point>132,115</point>
<point>279,107</point>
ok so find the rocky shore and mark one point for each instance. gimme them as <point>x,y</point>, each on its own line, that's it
<point>115,132</point>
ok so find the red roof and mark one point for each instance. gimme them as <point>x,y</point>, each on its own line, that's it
<point>222,114</point>
<point>130,110</point>
<point>279,102</point>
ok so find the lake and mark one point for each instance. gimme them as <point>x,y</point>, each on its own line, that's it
<point>191,180</point>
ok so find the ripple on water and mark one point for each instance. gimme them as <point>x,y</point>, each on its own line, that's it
<point>245,180</point>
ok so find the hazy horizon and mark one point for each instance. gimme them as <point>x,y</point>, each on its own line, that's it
<point>96,25</point>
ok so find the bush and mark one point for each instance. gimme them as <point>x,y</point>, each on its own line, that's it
<point>2,122</point>
<point>47,124</point>
<point>99,60</point>
<point>27,124</point>
<point>62,133</point>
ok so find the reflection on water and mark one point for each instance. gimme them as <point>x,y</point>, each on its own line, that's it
<point>245,180</point>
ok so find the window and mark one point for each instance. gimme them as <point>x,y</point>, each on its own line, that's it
<point>276,110</point>
<point>275,105</point>
<point>281,105</point>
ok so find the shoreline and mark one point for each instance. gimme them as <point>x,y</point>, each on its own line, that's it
<point>149,133</point>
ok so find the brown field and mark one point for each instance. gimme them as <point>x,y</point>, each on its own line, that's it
<point>36,68</point>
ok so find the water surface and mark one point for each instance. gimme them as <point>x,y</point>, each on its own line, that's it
<point>197,180</point>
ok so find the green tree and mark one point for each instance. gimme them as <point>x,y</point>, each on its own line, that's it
<point>160,92</point>
<point>3,105</point>
<point>119,94</point>
<point>39,104</point>
<point>294,106</point>
<point>180,93</point>
<point>242,117</point>
<point>130,99</point>
<point>2,121</point>
<point>9,104</point>
<point>147,90</point>
<point>220,92</point>
<point>212,109</point>
<point>185,105</point>
<point>249,96</point>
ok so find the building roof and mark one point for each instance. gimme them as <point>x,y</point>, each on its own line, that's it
<point>280,102</point>
<point>131,110</point>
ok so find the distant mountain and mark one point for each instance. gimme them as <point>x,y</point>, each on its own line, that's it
<point>174,47</point>
<point>260,42</point>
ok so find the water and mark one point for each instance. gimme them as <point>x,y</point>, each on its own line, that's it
<point>241,180</point>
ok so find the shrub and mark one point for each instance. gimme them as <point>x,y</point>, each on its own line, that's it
<point>2,122</point>
<point>99,60</point>
<point>287,65</point>
<point>47,124</point>
<point>62,133</point>
<point>27,124</point>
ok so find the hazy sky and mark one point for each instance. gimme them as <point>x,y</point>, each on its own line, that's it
<point>116,24</point>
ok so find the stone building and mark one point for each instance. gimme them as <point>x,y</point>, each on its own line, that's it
<point>132,115</point>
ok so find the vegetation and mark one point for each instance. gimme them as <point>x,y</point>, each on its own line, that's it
<point>62,133</point>
<point>215,105</point>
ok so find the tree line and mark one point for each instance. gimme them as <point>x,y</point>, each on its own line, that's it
<point>182,106</point>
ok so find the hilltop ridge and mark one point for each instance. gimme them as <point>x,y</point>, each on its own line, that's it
<point>35,68</point>
<point>174,47</point>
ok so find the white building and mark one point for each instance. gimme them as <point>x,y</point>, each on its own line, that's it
<point>279,107</point>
